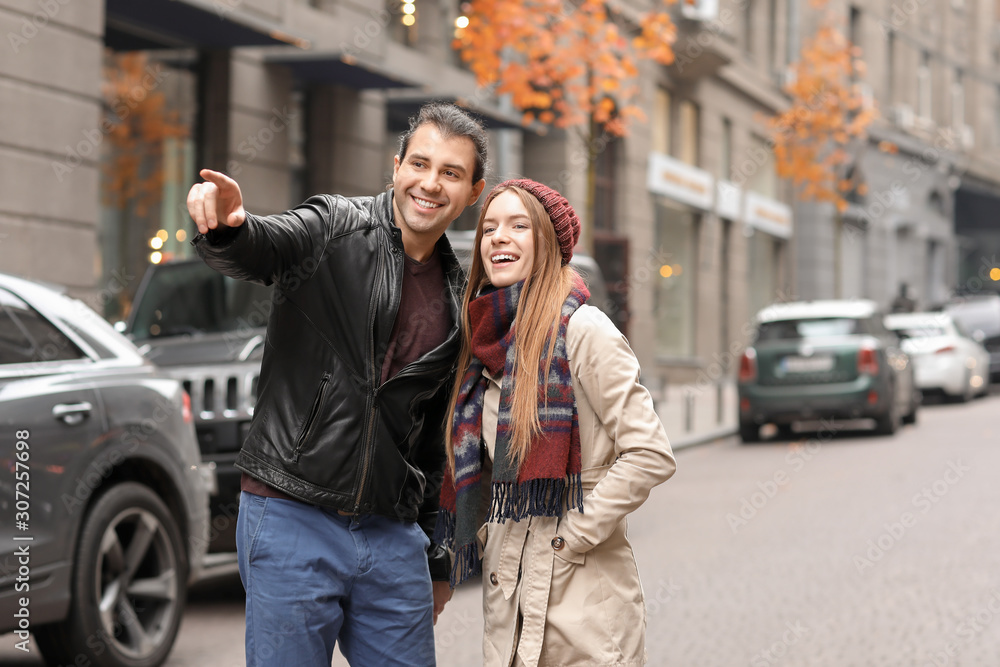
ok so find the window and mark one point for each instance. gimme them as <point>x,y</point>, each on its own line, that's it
<point>726,162</point>
<point>924,86</point>
<point>855,34</point>
<point>772,34</point>
<point>605,176</point>
<point>661,122</point>
<point>762,269</point>
<point>27,337</point>
<point>674,292</point>
<point>958,100</point>
<point>764,179</point>
<point>687,144</point>
<point>148,161</point>
<point>404,19</point>
<point>996,116</point>
<point>890,67</point>
<point>748,27</point>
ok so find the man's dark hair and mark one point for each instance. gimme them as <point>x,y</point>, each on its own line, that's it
<point>451,121</point>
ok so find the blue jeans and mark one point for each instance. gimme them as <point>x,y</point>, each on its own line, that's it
<point>314,577</point>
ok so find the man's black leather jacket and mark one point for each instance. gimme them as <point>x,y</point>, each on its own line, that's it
<point>324,430</point>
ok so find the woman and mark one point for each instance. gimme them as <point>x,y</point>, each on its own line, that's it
<point>551,467</point>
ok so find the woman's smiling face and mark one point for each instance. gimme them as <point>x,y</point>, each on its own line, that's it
<point>508,244</point>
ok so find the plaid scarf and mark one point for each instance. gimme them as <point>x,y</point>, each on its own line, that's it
<point>548,481</point>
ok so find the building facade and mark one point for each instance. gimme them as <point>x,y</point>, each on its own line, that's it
<point>928,221</point>
<point>109,109</point>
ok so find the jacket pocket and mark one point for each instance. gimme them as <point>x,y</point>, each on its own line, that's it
<point>312,417</point>
<point>566,554</point>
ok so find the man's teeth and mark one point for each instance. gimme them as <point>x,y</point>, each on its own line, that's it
<point>425,203</point>
<point>503,258</point>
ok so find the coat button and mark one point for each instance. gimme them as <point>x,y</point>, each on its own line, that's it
<point>558,543</point>
<point>493,578</point>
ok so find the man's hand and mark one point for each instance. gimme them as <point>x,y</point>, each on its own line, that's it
<point>216,202</point>
<point>442,593</point>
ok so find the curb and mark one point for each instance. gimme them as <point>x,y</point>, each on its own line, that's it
<point>702,438</point>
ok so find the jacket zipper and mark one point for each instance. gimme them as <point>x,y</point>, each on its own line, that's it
<point>370,427</point>
<point>311,419</point>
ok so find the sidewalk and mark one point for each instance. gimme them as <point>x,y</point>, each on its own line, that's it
<point>696,413</point>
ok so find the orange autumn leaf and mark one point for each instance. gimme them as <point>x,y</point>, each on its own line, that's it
<point>563,59</point>
<point>827,114</point>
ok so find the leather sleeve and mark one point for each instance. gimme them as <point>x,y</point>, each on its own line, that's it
<point>285,248</point>
<point>431,461</point>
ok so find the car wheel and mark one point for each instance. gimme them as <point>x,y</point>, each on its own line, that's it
<point>912,417</point>
<point>784,432</point>
<point>749,432</point>
<point>888,423</point>
<point>128,586</point>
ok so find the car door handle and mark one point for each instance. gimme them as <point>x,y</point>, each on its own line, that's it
<point>72,413</point>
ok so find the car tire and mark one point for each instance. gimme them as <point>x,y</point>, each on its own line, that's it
<point>128,585</point>
<point>912,417</point>
<point>749,432</point>
<point>784,432</point>
<point>888,423</point>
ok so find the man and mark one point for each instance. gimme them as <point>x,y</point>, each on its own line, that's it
<point>344,459</point>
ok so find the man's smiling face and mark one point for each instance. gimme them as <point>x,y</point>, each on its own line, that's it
<point>432,183</point>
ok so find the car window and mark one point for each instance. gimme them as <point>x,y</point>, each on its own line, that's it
<point>922,331</point>
<point>27,337</point>
<point>98,347</point>
<point>191,298</point>
<point>808,328</point>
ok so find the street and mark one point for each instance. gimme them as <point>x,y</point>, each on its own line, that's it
<point>837,548</point>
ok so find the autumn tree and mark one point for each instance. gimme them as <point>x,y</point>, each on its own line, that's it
<point>565,63</point>
<point>828,115</point>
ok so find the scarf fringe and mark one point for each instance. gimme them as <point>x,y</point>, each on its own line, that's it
<point>467,563</point>
<point>536,497</point>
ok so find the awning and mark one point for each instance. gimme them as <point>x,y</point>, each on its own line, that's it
<point>157,24</point>
<point>336,68</point>
<point>402,105</point>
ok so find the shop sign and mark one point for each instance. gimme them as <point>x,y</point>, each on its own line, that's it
<point>679,181</point>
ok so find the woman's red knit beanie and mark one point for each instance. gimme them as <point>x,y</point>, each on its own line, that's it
<point>564,218</point>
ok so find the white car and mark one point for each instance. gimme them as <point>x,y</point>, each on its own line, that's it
<point>945,359</point>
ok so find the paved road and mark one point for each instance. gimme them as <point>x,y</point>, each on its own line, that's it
<point>835,549</point>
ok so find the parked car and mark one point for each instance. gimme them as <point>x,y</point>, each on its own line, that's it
<point>104,495</point>
<point>585,265</point>
<point>979,316</point>
<point>207,330</point>
<point>814,360</point>
<point>945,359</point>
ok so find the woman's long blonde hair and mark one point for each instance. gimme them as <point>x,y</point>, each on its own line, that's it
<point>536,323</point>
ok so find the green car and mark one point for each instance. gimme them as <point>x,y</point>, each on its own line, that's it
<point>824,360</point>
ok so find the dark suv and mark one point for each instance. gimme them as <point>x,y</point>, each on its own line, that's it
<point>207,331</point>
<point>103,494</point>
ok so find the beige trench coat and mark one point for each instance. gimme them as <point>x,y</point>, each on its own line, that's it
<point>581,603</point>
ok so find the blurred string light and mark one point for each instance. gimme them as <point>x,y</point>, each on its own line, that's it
<point>156,243</point>
<point>155,257</point>
<point>995,274</point>
<point>409,10</point>
<point>668,271</point>
<point>181,235</point>
<point>162,235</point>
<point>462,22</point>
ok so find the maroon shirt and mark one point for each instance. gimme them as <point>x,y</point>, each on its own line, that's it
<point>422,323</point>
